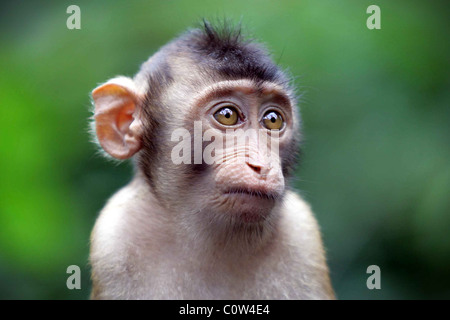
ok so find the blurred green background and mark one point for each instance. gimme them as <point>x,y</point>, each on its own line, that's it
<point>376,112</point>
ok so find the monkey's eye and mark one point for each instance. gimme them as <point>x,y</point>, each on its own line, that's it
<point>227,116</point>
<point>273,120</point>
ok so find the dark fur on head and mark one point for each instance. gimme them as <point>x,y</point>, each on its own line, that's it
<point>225,52</point>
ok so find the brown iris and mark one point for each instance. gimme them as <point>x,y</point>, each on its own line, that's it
<point>227,116</point>
<point>273,120</point>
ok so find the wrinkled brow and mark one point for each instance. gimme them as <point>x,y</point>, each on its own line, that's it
<point>228,88</point>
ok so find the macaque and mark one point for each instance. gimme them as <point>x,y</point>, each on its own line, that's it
<point>231,228</point>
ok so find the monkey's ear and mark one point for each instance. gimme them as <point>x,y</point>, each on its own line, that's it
<point>117,127</point>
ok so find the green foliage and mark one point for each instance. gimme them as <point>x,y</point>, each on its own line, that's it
<point>376,116</point>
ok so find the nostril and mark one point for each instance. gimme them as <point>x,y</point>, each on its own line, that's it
<point>255,168</point>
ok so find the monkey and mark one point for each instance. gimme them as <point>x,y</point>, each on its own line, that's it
<point>230,229</point>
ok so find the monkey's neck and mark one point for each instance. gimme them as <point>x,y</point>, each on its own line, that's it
<point>202,229</point>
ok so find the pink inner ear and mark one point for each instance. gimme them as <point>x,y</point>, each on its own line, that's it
<point>125,117</point>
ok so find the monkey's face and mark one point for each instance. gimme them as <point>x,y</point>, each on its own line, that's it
<point>228,153</point>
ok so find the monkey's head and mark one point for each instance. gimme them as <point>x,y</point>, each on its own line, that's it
<point>212,124</point>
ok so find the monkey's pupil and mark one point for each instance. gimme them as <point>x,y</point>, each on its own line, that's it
<point>227,116</point>
<point>273,120</point>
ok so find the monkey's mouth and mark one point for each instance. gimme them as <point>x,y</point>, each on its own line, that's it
<point>252,193</point>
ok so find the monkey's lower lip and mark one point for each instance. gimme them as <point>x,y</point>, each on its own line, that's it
<point>262,194</point>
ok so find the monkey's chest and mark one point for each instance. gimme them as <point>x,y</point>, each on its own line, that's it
<point>194,281</point>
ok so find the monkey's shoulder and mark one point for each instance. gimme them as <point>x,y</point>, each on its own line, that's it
<point>297,215</point>
<point>130,209</point>
<point>302,247</point>
<point>123,229</point>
